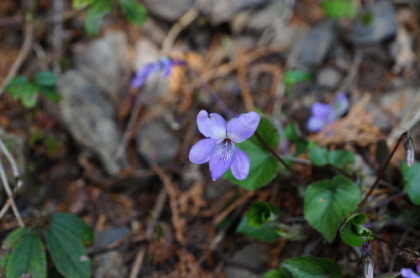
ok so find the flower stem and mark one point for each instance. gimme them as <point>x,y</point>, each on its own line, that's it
<point>279,159</point>
<point>206,87</point>
<point>382,170</point>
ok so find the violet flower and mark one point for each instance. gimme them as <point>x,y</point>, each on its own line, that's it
<point>323,114</point>
<point>408,273</point>
<point>219,147</point>
<point>163,64</point>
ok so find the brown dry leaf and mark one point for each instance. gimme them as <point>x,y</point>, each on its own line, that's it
<point>357,128</point>
<point>7,58</point>
<point>188,267</point>
<point>178,222</point>
<point>161,251</point>
<point>195,61</point>
<point>191,201</point>
<point>245,195</point>
<point>177,80</point>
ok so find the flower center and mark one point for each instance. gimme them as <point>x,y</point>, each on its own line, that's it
<point>227,141</point>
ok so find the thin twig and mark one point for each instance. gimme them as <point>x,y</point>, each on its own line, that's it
<point>13,163</point>
<point>394,255</point>
<point>206,87</point>
<point>279,159</point>
<point>177,28</point>
<point>382,170</point>
<point>157,210</point>
<point>352,73</point>
<point>385,201</point>
<point>23,53</point>
<point>390,243</point>
<point>131,123</point>
<point>10,195</point>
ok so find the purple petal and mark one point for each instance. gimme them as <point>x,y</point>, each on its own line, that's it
<point>408,273</point>
<point>321,109</point>
<point>418,266</point>
<point>221,159</point>
<point>241,128</point>
<point>341,105</point>
<point>141,76</point>
<point>213,127</point>
<point>316,123</point>
<point>240,165</point>
<point>202,150</point>
<point>166,64</point>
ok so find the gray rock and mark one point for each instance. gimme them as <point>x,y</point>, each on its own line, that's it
<point>220,11</point>
<point>154,30</point>
<point>380,118</point>
<point>170,10</point>
<point>217,189</point>
<point>328,78</point>
<point>382,25</point>
<point>103,62</point>
<point>108,236</point>
<point>109,265</point>
<point>315,45</point>
<point>254,255</point>
<point>16,146</point>
<point>89,117</point>
<point>272,22</point>
<point>156,144</point>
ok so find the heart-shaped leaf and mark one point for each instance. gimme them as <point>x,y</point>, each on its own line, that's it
<point>25,255</point>
<point>328,202</point>
<point>312,267</point>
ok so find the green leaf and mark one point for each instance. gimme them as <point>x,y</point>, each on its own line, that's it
<point>134,11</point>
<point>78,4</point>
<point>274,273</point>
<point>75,225</point>
<point>340,158</point>
<point>27,255</point>
<point>411,177</point>
<point>264,166</point>
<point>328,202</point>
<point>389,275</point>
<point>9,244</point>
<point>45,79</point>
<point>261,212</point>
<point>292,77</point>
<point>265,233</point>
<point>317,154</point>
<point>339,8</point>
<point>13,87</point>
<point>51,94</point>
<point>353,233</point>
<point>20,86</point>
<point>292,133</point>
<point>95,14</point>
<point>312,267</point>
<point>28,100</point>
<point>65,238</point>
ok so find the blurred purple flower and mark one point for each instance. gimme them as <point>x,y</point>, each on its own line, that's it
<point>163,64</point>
<point>408,273</point>
<point>323,113</point>
<point>219,147</point>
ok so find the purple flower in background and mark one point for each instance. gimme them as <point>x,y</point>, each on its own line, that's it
<point>408,273</point>
<point>163,64</point>
<point>323,113</point>
<point>219,147</point>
